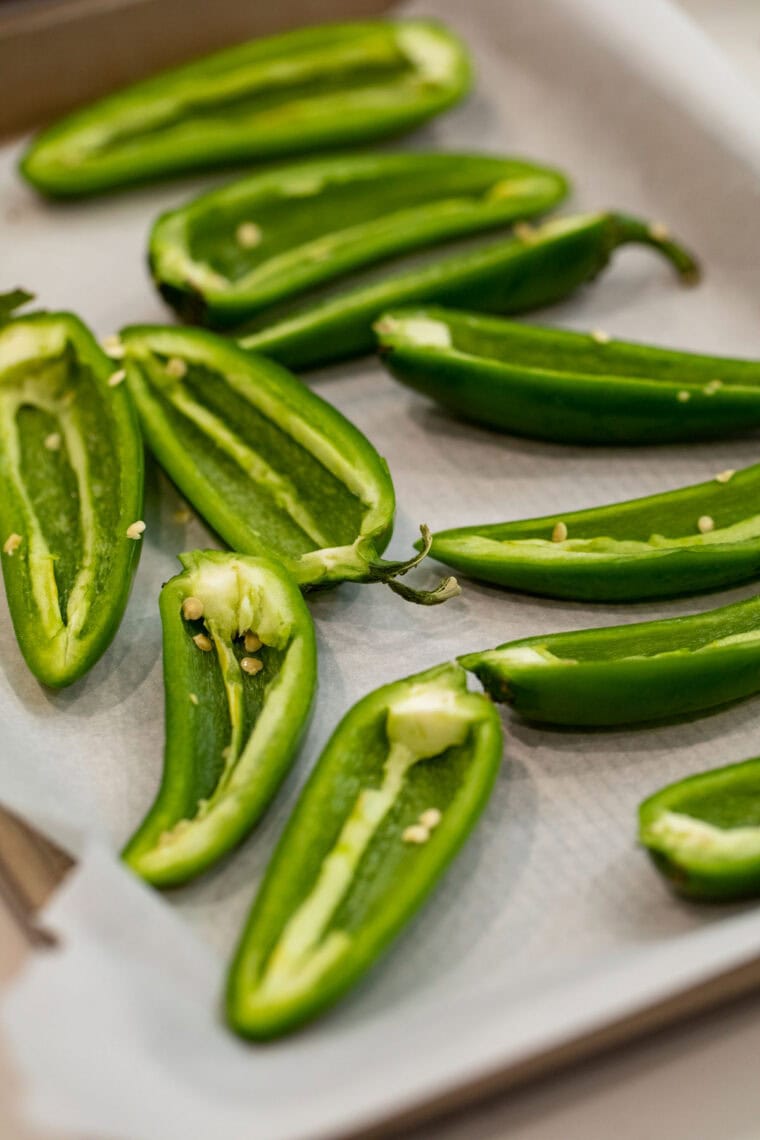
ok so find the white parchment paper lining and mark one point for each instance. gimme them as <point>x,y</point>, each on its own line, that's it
<point>551,921</point>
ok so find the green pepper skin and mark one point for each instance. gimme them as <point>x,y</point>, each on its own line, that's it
<point>232,252</point>
<point>625,552</point>
<point>336,893</point>
<point>703,833</point>
<point>628,674</point>
<point>307,90</point>
<point>271,467</point>
<point>568,387</point>
<point>71,466</point>
<point>537,268</point>
<point>231,737</point>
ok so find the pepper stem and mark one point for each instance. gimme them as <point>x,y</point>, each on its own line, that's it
<point>388,572</point>
<point>627,229</point>
<point>11,301</point>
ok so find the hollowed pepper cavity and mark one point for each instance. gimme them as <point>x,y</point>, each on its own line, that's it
<point>270,466</point>
<point>71,466</point>
<point>239,677</point>
<point>532,269</point>
<point>394,795</point>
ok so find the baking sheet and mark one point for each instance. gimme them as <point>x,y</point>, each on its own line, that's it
<point>551,921</point>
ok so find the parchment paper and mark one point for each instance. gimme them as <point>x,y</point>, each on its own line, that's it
<point>551,921</point>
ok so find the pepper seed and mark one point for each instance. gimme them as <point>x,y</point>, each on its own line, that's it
<point>683,396</point>
<point>659,231</point>
<point>559,534</point>
<point>705,524</point>
<point>193,698</point>
<point>712,387</point>
<point>136,529</point>
<point>117,378</point>
<point>725,476</point>
<point>11,544</point>
<point>251,665</point>
<point>203,642</point>
<point>524,231</point>
<point>176,367</point>
<point>113,347</point>
<point>53,441</point>
<point>430,818</point>
<point>600,336</point>
<point>192,609</point>
<point>415,834</point>
<point>248,235</point>
<point>252,642</point>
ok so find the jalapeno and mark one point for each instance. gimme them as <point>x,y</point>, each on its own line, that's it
<point>71,466</point>
<point>624,674</point>
<point>703,832</point>
<point>565,386</point>
<point>239,676</point>
<point>535,268</point>
<point>270,466</point>
<point>306,90</point>
<point>232,252</point>
<point>393,796</point>
<point>701,537</point>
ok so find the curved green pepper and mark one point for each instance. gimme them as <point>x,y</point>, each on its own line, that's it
<point>270,466</point>
<point>624,674</point>
<point>239,675</point>
<point>535,268</point>
<point>306,90</point>
<point>703,832</point>
<point>697,538</point>
<point>71,466</point>
<point>393,796</point>
<point>568,387</point>
<point>232,252</point>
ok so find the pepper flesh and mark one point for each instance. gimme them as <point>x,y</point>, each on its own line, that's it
<point>231,733</point>
<point>232,252</point>
<point>306,90</point>
<point>347,875</point>
<point>522,273</point>
<point>568,387</point>
<point>271,467</point>
<point>644,548</point>
<point>656,670</point>
<point>703,833</point>
<point>71,466</point>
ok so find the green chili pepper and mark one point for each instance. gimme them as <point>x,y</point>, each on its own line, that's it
<point>306,90</point>
<point>565,386</point>
<point>270,466</point>
<point>71,466</point>
<point>232,252</point>
<point>239,675</point>
<point>701,537</point>
<point>655,670</point>
<point>399,786</point>
<point>536,268</point>
<point>703,832</point>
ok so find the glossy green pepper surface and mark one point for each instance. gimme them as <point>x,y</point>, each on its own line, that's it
<point>697,538</point>
<point>568,387</point>
<point>270,466</point>
<point>71,465</point>
<point>239,676</point>
<point>703,833</point>
<point>537,267</point>
<point>396,791</point>
<point>625,674</point>
<point>233,252</point>
<point>305,90</point>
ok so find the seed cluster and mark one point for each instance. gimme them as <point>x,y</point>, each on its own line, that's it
<point>419,832</point>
